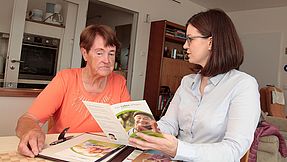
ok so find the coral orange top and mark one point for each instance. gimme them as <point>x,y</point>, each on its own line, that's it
<point>63,97</point>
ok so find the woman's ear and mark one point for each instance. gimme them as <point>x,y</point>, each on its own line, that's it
<point>84,53</point>
<point>209,43</point>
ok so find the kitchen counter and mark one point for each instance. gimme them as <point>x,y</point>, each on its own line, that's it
<point>19,92</point>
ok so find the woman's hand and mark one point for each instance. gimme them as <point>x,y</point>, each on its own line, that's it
<point>32,138</point>
<point>167,145</point>
<point>32,142</point>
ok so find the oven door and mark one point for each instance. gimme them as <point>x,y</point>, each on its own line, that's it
<point>38,62</point>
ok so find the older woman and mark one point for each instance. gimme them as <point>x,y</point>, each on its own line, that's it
<point>62,98</point>
<point>214,113</point>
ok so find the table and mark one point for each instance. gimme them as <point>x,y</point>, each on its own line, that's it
<point>9,146</point>
<point>10,143</point>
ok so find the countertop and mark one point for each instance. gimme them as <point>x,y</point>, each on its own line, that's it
<point>19,92</point>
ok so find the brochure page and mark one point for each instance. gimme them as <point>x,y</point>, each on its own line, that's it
<point>122,120</point>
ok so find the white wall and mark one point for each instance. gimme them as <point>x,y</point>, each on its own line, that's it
<point>157,10</point>
<point>270,26</point>
<point>13,108</point>
<point>110,17</point>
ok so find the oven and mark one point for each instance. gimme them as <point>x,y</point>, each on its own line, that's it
<point>39,57</point>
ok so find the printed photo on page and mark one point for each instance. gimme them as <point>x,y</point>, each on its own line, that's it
<point>82,148</point>
<point>123,120</point>
<point>89,150</point>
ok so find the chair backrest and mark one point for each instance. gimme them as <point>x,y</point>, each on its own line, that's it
<point>50,123</point>
<point>272,101</point>
<point>245,157</point>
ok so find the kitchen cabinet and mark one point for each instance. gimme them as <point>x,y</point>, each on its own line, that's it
<point>68,34</point>
<point>6,10</point>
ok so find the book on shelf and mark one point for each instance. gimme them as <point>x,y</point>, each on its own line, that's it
<point>165,97</point>
<point>169,34</point>
<point>118,121</point>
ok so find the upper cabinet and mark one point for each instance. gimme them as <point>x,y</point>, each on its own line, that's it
<point>6,10</point>
<point>43,38</point>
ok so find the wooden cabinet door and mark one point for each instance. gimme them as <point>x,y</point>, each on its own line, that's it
<point>173,70</point>
<point>170,73</point>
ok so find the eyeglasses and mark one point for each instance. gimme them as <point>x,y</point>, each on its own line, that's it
<point>189,39</point>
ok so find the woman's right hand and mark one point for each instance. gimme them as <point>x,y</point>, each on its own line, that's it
<point>32,142</point>
<point>32,138</point>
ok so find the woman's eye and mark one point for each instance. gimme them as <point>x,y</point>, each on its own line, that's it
<point>100,53</point>
<point>111,54</point>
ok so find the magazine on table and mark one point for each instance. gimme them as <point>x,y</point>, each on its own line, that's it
<point>123,120</point>
<point>86,147</point>
<point>147,156</point>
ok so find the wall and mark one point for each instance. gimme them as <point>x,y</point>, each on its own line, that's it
<point>99,14</point>
<point>157,10</point>
<point>269,26</point>
<point>11,111</point>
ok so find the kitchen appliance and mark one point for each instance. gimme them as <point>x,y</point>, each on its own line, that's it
<point>36,14</point>
<point>39,57</point>
<point>53,14</point>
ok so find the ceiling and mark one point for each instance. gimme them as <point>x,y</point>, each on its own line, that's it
<point>240,5</point>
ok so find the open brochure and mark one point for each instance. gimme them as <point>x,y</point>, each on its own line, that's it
<point>83,148</point>
<point>122,120</point>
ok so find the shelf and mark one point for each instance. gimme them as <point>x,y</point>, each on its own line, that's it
<point>161,70</point>
<point>174,39</point>
<point>42,22</point>
<point>44,29</point>
<point>175,59</point>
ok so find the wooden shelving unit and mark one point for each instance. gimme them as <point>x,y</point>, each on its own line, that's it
<point>161,69</point>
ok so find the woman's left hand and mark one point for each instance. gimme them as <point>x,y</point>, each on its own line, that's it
<point>167,144</point>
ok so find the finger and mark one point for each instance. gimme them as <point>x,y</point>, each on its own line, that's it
<point>41,142</point>
<point>145,145</point>
<point>134,144</point>
<point>23,149</point>
<point>150,139</point>
<point>34,146</point>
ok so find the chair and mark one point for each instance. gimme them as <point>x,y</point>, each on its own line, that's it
<point>272,101</point>
<point>269,145</point>
<point>51,122</point>
<point>245,157</point>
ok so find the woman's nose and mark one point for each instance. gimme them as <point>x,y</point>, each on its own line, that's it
<point>106,59</point>
<point>185,45</point>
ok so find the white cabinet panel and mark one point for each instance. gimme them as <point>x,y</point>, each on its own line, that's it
<point>15,42</point>
<point>43,29</point>
<point>6,10</point>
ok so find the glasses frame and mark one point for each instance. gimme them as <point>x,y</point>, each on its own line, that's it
<point>189,39</point>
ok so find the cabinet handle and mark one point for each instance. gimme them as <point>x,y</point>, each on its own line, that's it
<point>19,61</point>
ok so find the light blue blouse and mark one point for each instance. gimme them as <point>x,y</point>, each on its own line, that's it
<point>217,126</point>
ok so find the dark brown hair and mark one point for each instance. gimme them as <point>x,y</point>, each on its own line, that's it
<point>227,51</point>
<point>89,34</point>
